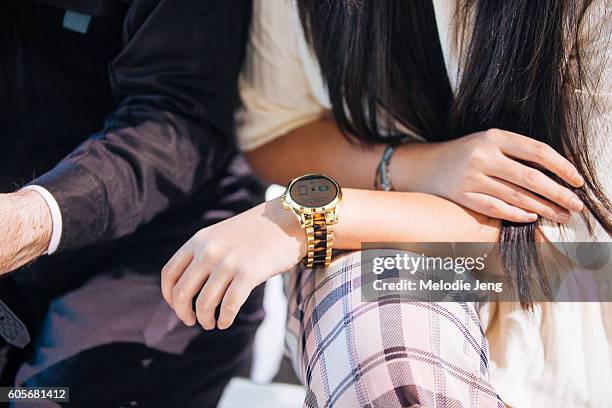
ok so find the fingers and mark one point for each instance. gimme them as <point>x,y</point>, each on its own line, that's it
<point>211,295</point>
<point>186,289</point>
<point>537,182</point>
<point>237,293</point>
<point>495,208</point>
<point>173,270</point>
<point>525,148</point>
<point>185,275</point>
<point>521,198</point>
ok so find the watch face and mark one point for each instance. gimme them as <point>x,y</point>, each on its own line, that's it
<point>313,191</point>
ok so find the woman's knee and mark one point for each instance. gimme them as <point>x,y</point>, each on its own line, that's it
<point>395,351</point>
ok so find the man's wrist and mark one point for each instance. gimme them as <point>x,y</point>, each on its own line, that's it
<point>25,229</point>
<point>56,216</point>
<point>35,224</point>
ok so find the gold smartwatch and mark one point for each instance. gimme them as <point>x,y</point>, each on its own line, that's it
<point>315,200</point>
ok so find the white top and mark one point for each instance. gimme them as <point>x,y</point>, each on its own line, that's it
<point>560,355</point>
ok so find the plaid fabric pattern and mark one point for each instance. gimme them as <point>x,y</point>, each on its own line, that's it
<point>387,353</point>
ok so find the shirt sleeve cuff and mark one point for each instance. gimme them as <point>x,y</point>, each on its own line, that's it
<point>56,216</point>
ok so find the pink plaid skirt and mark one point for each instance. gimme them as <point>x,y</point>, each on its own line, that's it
<point>384,353</point>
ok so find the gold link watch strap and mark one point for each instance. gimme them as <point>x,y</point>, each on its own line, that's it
<point>320,240</point>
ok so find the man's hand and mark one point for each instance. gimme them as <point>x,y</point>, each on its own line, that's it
<point>25,229</point>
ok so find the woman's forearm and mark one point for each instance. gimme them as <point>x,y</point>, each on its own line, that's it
<point>374,216</point>
<point>484,171</point>
<point>320,147</point>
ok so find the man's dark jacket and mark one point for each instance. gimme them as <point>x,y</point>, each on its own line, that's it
<point>123,110</point>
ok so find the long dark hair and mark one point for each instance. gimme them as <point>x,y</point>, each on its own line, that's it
<point>384,56</point>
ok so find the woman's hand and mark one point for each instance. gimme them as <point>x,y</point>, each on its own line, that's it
<point>222,264</point>
<point>485,172</point>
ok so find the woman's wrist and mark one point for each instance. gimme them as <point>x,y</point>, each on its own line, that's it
<point>286,221</point>
<point>407,164</point>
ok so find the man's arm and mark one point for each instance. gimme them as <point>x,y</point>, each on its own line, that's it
<point>25,228</point>
<point>175,81</point>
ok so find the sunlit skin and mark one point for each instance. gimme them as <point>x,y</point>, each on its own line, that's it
<point>482,171</point>
<point>467,186</point>
<point>223,263</point>
<point>25,229</point>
